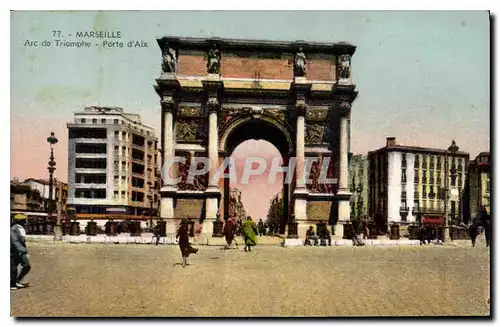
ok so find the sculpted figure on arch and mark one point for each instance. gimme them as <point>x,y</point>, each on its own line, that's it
<point>169,60</point>
<point>213,63</point>
<point>300,63</point>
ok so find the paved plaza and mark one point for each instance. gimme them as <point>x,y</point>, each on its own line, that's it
<point>145,280</point>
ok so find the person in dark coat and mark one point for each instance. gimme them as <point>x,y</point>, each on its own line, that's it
<point>18,253</point>
<point>311,236</point>
<point>184,245</point>
<point>325,235</point>
<point>229,231</point>
<point>473,233</point>
<point>422,233</point>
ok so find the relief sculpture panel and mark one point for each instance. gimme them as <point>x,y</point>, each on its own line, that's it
<point>317,185</point>
<point>199,182</point>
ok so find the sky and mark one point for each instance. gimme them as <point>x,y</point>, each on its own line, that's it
<point>422,76</point>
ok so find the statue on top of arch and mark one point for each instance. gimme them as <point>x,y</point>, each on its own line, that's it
<point>300,64</point>
<point>169,60</point>
<point>213,63</point>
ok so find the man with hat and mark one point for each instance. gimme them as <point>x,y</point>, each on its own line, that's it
<point>18,253</point>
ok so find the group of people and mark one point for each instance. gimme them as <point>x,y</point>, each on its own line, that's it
<point>323,237</point>
<point>248,229</point>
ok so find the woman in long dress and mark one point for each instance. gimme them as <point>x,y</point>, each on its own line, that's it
<point>229,231</point>
<point>249,230</point>
<point>183,236</point>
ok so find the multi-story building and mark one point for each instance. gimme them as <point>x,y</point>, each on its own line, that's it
<point>112,166</point>
<point>358,185</point>
<point>407,183</point>
<point>31,197</point>
<point>478,186</point>
<point>59,193</point>
<point>24,199</point>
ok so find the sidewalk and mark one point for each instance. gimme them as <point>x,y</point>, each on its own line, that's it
<point>147,238</point>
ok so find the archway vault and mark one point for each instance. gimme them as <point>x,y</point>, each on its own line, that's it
<point>247,127</point>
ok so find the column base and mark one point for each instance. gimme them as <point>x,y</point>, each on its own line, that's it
<point>171,226</point>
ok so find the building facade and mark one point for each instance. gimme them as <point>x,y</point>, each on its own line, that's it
<point>31,197</point>
<point>479,185</point>
<point>408,183</point>
<point>358,185</point>
<point>112,166</point>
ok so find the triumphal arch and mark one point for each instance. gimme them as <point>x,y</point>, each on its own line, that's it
<point>216,93</point>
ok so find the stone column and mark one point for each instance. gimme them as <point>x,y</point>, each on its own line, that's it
<point>343,160</point>
<point>213,146</point>
<point>212,193</point>
<point>300,150</point>
<point>167,190</point>
<point>343,195</point>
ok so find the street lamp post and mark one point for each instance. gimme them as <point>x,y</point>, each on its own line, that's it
<point>452,149</point>
<point>52,140</point>
<point>150,199</point>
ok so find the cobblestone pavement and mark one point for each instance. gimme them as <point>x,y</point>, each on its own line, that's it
<point>147,280</point>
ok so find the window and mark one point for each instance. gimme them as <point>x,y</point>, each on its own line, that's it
<point>115,121</point>
<point>117,134</point>
<point>432,162</point>
<point>403,176</point>
<point>417,160</point>
<point>123,194</point>
<point>416,194</point>
<point>116,195</point>
<point>117,148</point>
<point>116,177</point>
<point>424,162</point>
<point>415,206</point>
<point>94,121</point>
<point>416,177</point>
<point>103,121</point>
<point>424,177</point>
<point>404,204</point>
<point>424,192</point>
<point>439,162</point>
<point>82,120</point>
<point>431,178</point>
<point>403,159</point>
<point>123,178</point>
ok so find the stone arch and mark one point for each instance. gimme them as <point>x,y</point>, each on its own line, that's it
<point>283,140</point>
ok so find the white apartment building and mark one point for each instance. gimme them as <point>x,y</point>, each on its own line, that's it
<point>407,183</point>
<point>112,166</point>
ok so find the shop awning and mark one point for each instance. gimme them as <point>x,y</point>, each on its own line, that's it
<point>433,220</point>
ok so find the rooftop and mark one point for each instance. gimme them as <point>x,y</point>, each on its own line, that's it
<point>391,145</point>
<point>259,45</point>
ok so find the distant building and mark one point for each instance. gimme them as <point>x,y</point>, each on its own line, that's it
<point>59,193</point>
<point>479,185</point>
<point>31,197</point>
<point>112,166</point>
<point>358,184</point>
<point>407,183</point>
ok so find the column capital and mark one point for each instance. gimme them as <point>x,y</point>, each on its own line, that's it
<point>301,108</point>
<point>168,104</point>
<point>213,105</point>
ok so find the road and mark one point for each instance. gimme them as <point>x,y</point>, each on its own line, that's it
<point>146,280</point>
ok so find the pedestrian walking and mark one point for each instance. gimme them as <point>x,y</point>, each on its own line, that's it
<point>473,233</point>
<point>184,245</point>
<point>18,253</point>
<point>229,231</point>
<point>249,230</point>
